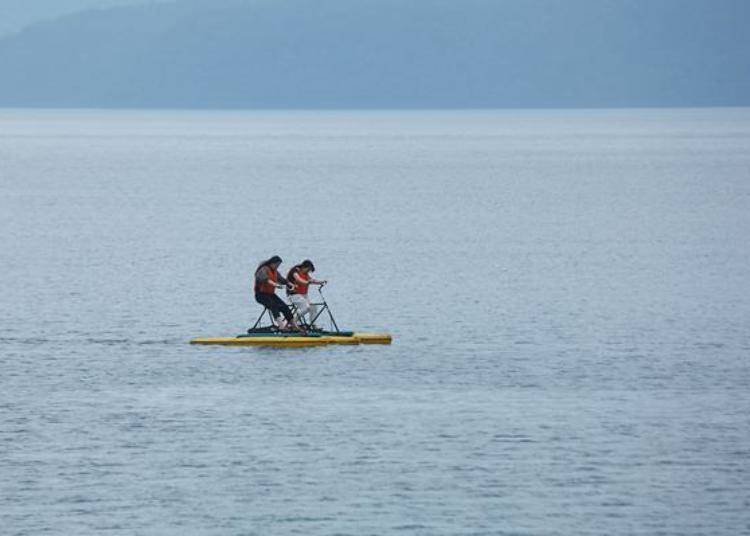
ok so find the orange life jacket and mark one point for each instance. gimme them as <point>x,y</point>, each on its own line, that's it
<point>299,288</point>
<point>268,286</point>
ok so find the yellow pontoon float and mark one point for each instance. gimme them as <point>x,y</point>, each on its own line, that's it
<point>295,341</point>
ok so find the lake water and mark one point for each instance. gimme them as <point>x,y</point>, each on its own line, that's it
<point>568,293</point>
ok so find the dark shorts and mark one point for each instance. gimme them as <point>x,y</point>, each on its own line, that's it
<point>274,304</point>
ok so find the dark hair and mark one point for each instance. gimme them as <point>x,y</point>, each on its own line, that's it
<point>272,260</point>
<point>307,263</point>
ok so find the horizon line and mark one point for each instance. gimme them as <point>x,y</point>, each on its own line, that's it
<point>362,109</point>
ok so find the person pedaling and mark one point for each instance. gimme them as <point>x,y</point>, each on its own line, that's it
<point>300,279</point>
<point>267,280</point>
<point>284,331</point>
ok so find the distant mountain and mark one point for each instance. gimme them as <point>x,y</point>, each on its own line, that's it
<point>385,54</point>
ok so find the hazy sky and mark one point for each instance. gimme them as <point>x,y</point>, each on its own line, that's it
<point>16,14</point>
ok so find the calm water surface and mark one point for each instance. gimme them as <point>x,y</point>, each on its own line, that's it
<point>568,293</point>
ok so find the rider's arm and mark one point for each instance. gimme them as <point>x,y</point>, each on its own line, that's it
<point>263,277</point>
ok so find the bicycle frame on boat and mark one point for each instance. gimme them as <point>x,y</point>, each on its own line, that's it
<point>307,327</point>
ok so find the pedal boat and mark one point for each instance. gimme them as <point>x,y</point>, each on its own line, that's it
<point>296,341</point>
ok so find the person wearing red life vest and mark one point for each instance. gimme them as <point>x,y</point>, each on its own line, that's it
<point>267,280</point>
<point>300,278</point>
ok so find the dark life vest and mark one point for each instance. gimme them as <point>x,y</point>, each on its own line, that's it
<point>268,286</point>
